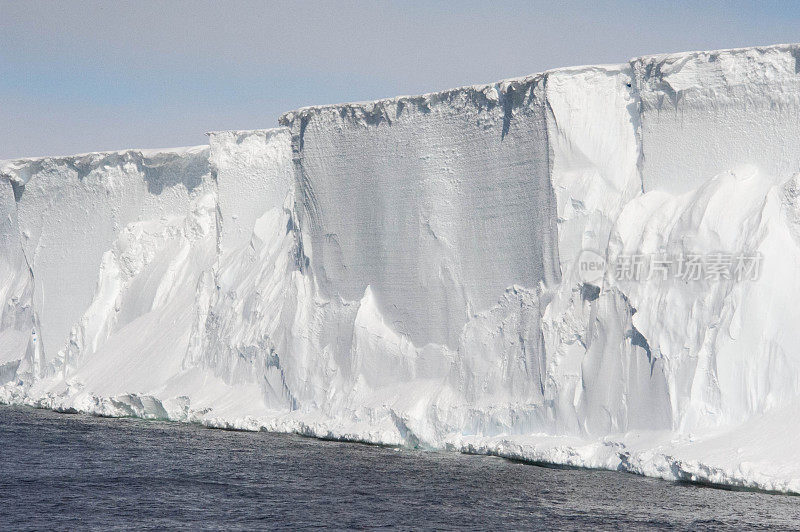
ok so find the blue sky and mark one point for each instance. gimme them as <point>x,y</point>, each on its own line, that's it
<point>87,76</point>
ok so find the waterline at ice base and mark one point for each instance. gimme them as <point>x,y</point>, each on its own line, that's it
<point>596,266</point>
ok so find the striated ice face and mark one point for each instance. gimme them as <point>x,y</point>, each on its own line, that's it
<point>541,268</point>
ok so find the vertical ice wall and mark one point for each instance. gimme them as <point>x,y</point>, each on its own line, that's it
<point>438,202</point>
<point>251,301</point>
<point>76,215</point>
<point>602,376</point>
<point>464,213</point>
<point>254,175</point>
<point>719,163</point>
<point>593,126</point>
<point>17,335</point>
<point>703,113</point>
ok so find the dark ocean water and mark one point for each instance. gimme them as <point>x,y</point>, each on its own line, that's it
<point>74,471</point>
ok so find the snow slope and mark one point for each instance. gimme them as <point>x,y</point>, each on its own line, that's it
<point>408,271</point>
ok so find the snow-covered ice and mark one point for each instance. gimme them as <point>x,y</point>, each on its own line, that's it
<point>406,271</point>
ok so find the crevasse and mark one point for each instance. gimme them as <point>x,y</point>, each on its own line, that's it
<point>404,271</point>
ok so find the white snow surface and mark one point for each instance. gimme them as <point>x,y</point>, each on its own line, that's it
<point>404,272</point>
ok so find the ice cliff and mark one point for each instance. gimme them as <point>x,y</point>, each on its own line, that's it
<point>409,271</point>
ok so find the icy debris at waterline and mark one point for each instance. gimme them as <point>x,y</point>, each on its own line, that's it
<point>405,272</point>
